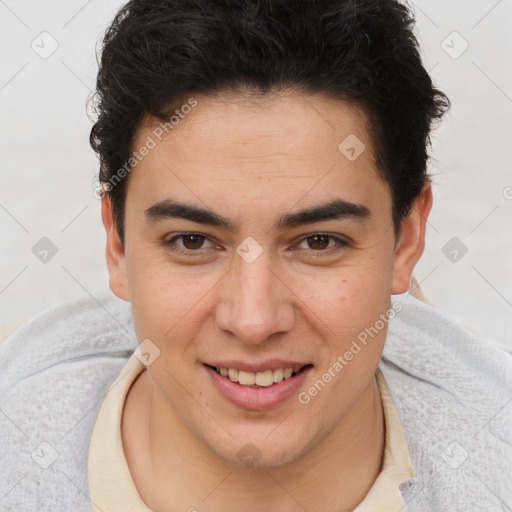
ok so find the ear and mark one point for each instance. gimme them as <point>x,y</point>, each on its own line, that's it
<point>115,254</point>
<point>412,241</point>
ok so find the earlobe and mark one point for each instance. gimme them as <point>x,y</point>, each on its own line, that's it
<point>412,241</point>
<point>115,253</point>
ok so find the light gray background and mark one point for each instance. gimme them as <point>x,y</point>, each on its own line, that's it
<point>47,166</point>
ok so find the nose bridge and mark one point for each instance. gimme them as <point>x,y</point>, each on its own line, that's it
<point>254,303</point>
<point>253,285</point>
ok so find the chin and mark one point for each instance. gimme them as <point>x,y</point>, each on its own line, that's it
<point>263,450</point>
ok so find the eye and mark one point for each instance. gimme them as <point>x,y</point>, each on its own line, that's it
<point>320,242</point>
<point>190,242</point>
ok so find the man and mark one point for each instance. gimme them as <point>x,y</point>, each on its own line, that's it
<point>263,167</point>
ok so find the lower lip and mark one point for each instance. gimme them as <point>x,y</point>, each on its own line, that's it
<point>257,399</point>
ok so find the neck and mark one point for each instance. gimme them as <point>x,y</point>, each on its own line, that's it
<point>178,472</point>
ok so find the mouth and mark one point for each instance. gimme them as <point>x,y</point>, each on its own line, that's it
<point>258,390</point>
<point>262,379</point>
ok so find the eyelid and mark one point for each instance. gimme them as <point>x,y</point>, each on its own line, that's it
<point>170,241</point>
<point>340,238</point>
<point>341,242</point>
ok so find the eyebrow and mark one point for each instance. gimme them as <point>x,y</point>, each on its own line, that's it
<point>174,210</point>
<point>333,210</point>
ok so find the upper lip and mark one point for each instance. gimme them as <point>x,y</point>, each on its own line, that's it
<point>270,364</point>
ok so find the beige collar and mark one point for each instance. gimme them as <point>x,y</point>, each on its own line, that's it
<point>111,486</point>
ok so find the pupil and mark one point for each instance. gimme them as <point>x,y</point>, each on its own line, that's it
<point>318,242</point>
<point>193,241</point>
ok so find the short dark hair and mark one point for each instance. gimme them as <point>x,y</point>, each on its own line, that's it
<point>155,53</point>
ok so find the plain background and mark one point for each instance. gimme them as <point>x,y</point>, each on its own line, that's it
<point>47,167</point>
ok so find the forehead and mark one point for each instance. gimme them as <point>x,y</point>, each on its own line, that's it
<point>230,150</point>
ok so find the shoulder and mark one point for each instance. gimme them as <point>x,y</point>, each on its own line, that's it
<point>54,373</point>
<point>76,331</point>
<point>424,344</point>
<point>453,392</point>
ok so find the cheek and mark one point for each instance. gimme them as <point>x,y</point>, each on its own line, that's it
<point>347,300</point>
<point>167,301</point>
<point>350,317</point>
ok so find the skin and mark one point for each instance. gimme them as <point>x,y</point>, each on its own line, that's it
<point>253,160</point>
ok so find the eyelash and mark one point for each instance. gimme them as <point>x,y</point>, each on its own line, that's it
<point>182,250</point>
<point>340,244</point>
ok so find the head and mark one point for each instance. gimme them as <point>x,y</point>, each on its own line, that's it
<point>265,169</point>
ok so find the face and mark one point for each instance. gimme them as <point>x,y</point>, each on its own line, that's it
<point>253,245</point>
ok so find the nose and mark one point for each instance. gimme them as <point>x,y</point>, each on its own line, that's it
<point>254,302</point>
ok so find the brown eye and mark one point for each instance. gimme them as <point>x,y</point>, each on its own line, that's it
<point>192,241</point>
<point>318,242</point>
<point>191,245</point>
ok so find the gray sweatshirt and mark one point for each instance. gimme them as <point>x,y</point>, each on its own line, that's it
<point>452,389</point>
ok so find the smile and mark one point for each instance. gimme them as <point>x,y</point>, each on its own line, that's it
<point>258,390</point>
<point>258,379</point>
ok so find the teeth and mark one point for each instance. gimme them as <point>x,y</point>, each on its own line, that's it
<point>277,375</point>
<point>246,378</point>
<point>263,379</point>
